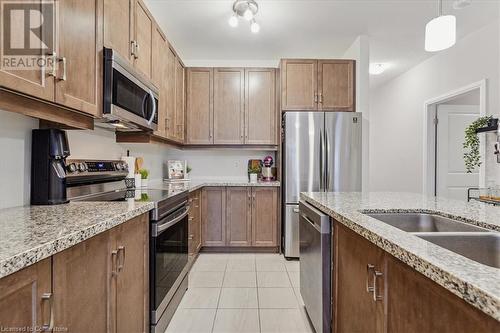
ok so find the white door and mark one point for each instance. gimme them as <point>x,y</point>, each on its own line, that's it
<point>452,180</point>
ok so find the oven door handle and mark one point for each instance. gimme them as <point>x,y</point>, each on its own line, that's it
<point>158,229</point>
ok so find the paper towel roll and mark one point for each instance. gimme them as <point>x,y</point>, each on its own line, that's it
<point>130,160</point>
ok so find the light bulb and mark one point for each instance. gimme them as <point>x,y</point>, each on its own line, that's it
<point>233,21</point>
<point>248,15</point>
<point>254,27</point>
<point>376,69</point>
<point>440,33</point>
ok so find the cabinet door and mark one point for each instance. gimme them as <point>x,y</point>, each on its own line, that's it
<point>159,77</point>
<point>25,298</point>
<point>118,26</point>
<point>299,84</point>
<point>336,85</point>
<point>199,106</point>
<point>131,241</point>
<point>79,83</point>
<point>264,216</point>
<point>37,82</point>
<point>170,121</point>
<point>213,216</point>
<point>238,216</point>
<point>228,105</point>
<point>81,286</point>
<point>179,100</point>
<point>143,26</point>
<point>260,106</point>
<point>417,304</point>
<point>357,311</point>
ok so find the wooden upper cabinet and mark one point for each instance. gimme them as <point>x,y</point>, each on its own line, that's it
<point>213,215</point>
<point>229,96</point>
<point>78,82</point>
<point>260,106</point>
<point>417,304</point>
<point>25,298</point>
<point>37,82</point>
<point>81,285</point>
<point>170,119</point>
<point>199,106</point>
<point>179,100</point>
<point>264,216</point>
<point>118,26</point>
<point>356,309</point>
<point>143,25</point>
<point>130,285</point>
<point>159,78</point>
<point>299,84</point>
<point>158,56</point>
<point>238,216</point>
<point>336,85</point>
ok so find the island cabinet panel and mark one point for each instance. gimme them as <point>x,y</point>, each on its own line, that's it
<point>194,242</point>
<point>214,216</point>
<point>239,216</point>
<point>81,278</point>
<point>25,298</point>
<point>199,106</point>
<point>264,211</point>
<point>336,85</point>
<point>143,26</point>
<point>118,27</point>
<point>357,261</point>
<point>229,98</point>
<point>299,84</point>
<point>78,81</point>
<point>130,278</point>
<point>417,304</point>
<point>37,82</point>
<point>260,106</point>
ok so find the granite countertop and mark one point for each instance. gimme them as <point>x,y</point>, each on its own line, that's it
<point>29,234</point>
<point>477,284</point>
<point>197,184</point>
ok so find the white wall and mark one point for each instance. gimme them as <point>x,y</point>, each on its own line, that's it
<point>396,108</point>
<point>360,51</point>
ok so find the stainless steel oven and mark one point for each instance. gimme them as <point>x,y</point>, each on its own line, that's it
<point>130,99</point>
<point>168,260</point>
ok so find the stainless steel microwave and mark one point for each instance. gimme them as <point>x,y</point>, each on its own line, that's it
<point>130,99</point>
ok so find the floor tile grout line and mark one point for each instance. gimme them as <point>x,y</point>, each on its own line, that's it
<point>218,299</point>
<point>258,300</point>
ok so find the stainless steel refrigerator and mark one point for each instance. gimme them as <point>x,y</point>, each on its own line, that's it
<point>322,153</point>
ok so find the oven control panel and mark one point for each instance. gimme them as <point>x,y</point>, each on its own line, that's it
<point>95,167</point>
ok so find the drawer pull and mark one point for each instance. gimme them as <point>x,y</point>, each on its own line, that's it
<point>376,296</point>
<point>369,269</point>
<point>47,297</point>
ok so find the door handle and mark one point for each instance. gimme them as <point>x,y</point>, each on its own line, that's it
<point>48,298</point>
<point>53,69</point>
<point>64,63</point>
<point>376,296</point>
<point>114,254</point>
<point>369,269</point>
<point>121,258</point>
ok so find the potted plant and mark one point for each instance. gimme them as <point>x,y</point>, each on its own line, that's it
<point>253,173</point>
<point>472,156</point>
<point>188,170</point>
<point>144,177</point>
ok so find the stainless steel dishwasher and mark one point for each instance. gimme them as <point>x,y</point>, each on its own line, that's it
<point>315,266</point>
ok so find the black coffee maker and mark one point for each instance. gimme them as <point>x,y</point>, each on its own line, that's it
<point>48,166</point>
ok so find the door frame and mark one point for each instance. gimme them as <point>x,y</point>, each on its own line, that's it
<point>429,161</point>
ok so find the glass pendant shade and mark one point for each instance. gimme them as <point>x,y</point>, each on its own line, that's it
<point>440,33</point>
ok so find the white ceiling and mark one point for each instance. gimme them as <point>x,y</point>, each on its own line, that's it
<point>199,31</point>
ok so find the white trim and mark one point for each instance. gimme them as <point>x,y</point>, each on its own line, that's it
<point>428,151</point>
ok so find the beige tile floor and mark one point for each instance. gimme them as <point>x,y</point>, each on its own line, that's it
<point>236,293</point>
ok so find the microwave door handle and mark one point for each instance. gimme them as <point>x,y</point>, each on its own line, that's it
<point>153,101</point>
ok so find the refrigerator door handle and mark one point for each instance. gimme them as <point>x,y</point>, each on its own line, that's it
<point>321,162</point>
<point>327,169</point>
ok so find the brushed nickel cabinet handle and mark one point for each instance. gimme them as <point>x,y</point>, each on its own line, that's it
<point>64,63</point>
<point>132,48</point>
<point>48,298</point>
<point>137,50</point>
<point>114,254</point>
<point>53,70</point>
<point>315,98</point>
<point>376,296</point>
<point>369,269</point>
<point>321,98</point>
<point>121,258</point>
<point>190,237</point>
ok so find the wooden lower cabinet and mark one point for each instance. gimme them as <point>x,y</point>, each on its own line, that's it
<point>98,285</point>
<point>25,298</point>
<point>213,203</point>
<point>240,216</point>
<point>407,300</point>
<point>194,242</point>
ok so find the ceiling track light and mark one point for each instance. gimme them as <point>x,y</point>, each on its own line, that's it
<point>246,9</point>
<point>441,31</point>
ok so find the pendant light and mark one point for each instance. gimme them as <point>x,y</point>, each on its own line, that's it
<point>440,32</point>
<point>246,9</point>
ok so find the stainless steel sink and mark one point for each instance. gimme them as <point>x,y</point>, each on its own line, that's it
<point>481,247</point>
<point>420,222</point>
